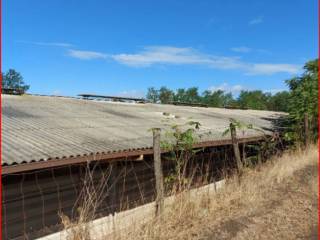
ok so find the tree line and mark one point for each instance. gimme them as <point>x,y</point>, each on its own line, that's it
<point>300,101</point>
<point>303,102</point>
<point>246,100</point>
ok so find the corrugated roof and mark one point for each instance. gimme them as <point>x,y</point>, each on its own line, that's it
<point>38,128</point>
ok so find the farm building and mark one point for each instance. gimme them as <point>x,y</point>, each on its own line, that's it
<point>49,142</point>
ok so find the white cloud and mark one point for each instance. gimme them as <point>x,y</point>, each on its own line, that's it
<point>237,88</point>
<point>269,69</point>
<point>132,93</point>
<point>264,51</point>
<point>256,20</point>
<point>177,56</point>
<point>234,89</point>
<point>56,92</point>
<point>161,55</point>
<point>49,44</point>
<point>241,49</point>
<point>167,55</point>
<point>244,49</point>
<point>86,55</point>
<point>276,90</point>
<point>189,56</point>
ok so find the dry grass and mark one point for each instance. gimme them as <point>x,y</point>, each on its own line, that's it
<point>90,197</point>
<point>277,200</point>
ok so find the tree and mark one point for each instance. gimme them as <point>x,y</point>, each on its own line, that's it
<point>189,95</point>
<point>254,99</point>
<point>180,95</point>
<point>217,98</point>
<point>192,95</point>
<point>153,95</point>
<point>166,95</point>
<point>279,102</point>
<point>304,99</point>
<point>13,79</point>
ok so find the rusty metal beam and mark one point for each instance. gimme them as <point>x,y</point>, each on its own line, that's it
<point>120,155</point>
<point>124,155</point>
<point>227,142</point>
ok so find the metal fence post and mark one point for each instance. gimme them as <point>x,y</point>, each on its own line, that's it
<point>158,171</point>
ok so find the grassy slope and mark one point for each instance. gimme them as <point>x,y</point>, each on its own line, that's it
<point>277,201</point>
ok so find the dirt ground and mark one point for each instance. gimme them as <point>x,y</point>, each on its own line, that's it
<point>289,211</point>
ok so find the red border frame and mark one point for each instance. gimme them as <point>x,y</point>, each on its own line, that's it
<point>1,117</point>
<point>1,15</point>
<point>318,118</point>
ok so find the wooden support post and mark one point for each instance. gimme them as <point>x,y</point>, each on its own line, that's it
<point>306,130</point>
<point>235,146</point>
<point>244,158</point>
<point>158,172</point>
<point>112,188</point>
<point>259,156</point>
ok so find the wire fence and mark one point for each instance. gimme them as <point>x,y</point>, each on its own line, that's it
<point>33,202</point>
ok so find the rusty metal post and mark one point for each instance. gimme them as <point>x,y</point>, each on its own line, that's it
<point>306,130</point>
<point>158,171</point>
<point>235,146</point>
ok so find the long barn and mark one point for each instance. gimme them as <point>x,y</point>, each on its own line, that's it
<point>48,142</point>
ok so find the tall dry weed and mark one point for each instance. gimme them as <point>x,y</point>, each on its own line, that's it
<point>187,217</point>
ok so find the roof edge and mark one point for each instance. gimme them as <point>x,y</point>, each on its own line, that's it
<point>124,155</point>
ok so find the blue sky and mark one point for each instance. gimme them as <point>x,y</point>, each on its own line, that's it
<point>124,47</point>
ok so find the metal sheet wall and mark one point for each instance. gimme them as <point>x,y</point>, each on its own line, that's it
<point>32,201</point>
